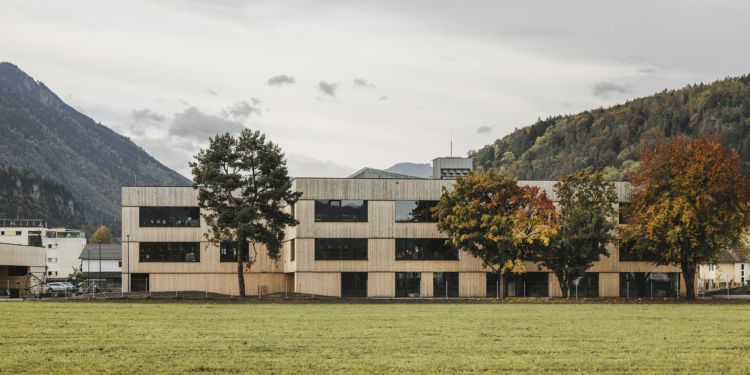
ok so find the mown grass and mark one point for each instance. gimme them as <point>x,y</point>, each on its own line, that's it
<point>197,336</point>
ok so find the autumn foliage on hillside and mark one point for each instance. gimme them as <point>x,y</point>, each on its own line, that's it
<point>611,137</point>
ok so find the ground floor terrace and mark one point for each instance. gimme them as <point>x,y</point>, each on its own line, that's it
<point>417,284</point>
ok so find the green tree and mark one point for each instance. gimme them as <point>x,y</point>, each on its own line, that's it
<point>584,224</point>
<point>242,183</point>
<point>101,236</point>
<point>691,201</point>
<point>492,218</point>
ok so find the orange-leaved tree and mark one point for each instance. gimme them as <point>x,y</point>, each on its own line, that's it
<point>690,201</point>
<point>494,219</point>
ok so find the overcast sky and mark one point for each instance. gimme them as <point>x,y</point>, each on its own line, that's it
<point>341,85</point>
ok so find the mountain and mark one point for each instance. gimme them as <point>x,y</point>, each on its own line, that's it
<point>25,194</point>
<point>38,131</point>
<point>413,169</point>
<point>609,138</point>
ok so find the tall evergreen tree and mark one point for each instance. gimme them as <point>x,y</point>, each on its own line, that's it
<point>242,183</point>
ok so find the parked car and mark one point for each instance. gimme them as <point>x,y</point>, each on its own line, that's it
<point>60,287</point>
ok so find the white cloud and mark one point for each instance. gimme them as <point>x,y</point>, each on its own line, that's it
<point>483,62</point>
<point>304,166</point>
<point>194,124</point>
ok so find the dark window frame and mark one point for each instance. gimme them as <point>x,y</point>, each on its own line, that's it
<point>354,253</point>
<point>420,213</point>
<point>166,218</point>
<point>224,257</point>
<point>411,247</point>
<point>359,290</point>
<point>171,255</point>
<point>622,217</point>
<point>325,212</point>
<point>439,284</point>
<point>407,280</point>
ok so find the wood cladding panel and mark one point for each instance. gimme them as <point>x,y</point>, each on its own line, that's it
<point>218,283</point>
<point>381,284</point>
<point>553,286</point>
<point>159,196</point>
<point>18,255</point>
<point>427,284</point>
<point>609,285</point>
<point>472,284</point>
<point>371,189</point>
<point>398,189</point>
<point>319,283</point>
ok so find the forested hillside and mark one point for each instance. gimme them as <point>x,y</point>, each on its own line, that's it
<point>25,194</point>
<point>40,132</point>
<point>609,137</point>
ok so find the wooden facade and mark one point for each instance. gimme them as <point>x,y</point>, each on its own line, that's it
<point>298,270</point>
<point>31,258</point>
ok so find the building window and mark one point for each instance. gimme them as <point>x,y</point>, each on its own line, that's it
<point>585,286</point>
<point>17,270</point>
<point>292,250</point>
<point>424,249</point>
<point>408,284</point>
<point>169,252</point>
<point>648,284</point>
<point>341,210</point>
<point>52,273</point>
<point>624,216</point>
<point>354,284</point>
<point>445,284</point>
<point>169,216</point>
<point>415,211</point>
<point>18,233</point>
<point>51,260</point>
<point>627,253</point>
<point>340,249</point>
<point>529,284</point>
<point>710,268</point>
<point>228,251</point>
<point>119,264</point>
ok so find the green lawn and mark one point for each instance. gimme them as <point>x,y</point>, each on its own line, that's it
<point>196,336</point>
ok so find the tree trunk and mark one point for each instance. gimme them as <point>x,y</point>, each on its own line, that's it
<point>502,286</point>
<point>241,276</point>
<point>688,273</point>
<point>564,287</point>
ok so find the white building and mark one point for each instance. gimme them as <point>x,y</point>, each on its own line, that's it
<point>62,245</point>
<point>731,267</point>
<point>108,259</point>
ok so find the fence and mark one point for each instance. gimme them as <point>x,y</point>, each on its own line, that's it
<point>105,285</point>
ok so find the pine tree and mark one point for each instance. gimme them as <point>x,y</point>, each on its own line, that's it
<point>242,183</point>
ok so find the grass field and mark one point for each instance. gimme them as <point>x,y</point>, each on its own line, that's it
<point>198,336</point>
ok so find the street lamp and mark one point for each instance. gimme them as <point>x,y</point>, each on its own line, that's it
<point>100,262</point>
<point>129,283</point>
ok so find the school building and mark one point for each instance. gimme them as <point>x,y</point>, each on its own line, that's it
<point>368,235</point>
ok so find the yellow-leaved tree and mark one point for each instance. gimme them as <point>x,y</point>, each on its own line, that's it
<point>101,236</point>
